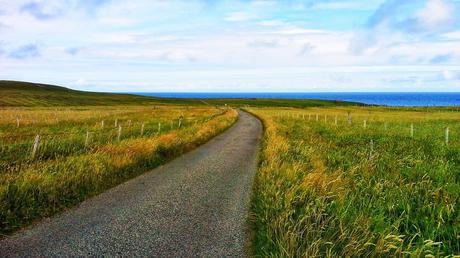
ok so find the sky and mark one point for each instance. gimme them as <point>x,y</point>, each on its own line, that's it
<point>233,46</point>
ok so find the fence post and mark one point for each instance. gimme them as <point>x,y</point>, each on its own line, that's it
<point>447,135</point>
<point>119,133</point>
<point>159,128</point>
<point>364,124</point>
<point>129,123</point>
<point>325,118</point>
<point>372,145</point>
<point>142,129</point>
<point>385,126</point>
<point>102,124</point>
<point>317,117</point>
<point>36,146</point>
<point>180,121</point>
<point>349,118</point>
<point>87,138</point>
<point>17,121</point>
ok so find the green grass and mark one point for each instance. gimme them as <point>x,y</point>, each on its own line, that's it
<point>66,171</point>
<point>339,190</point>
<point>21,94</point>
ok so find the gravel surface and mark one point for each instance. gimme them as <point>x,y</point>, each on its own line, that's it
<point>195,206</point>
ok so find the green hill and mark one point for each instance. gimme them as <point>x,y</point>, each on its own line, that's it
<point>16,94</point>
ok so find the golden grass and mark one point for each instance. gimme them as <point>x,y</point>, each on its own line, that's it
<point>30,190</point>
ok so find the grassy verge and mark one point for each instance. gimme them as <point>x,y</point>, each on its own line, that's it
<point>374,188</point>
<point>33,190</point>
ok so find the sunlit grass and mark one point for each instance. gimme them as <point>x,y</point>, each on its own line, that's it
<point>334,189</point>
<point>66,171</point>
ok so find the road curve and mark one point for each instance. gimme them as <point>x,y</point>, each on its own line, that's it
<point>194,206</point>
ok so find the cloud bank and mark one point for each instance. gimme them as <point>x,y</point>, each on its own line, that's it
<point>199,45</point>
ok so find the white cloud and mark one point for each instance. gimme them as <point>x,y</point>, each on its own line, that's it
<point>450,75</point>
<point>264,45</point>
<point>435,13</point>
<point>272,23</point>
<point>452,35</point>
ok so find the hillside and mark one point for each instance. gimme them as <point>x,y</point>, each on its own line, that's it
<point>16,94</point>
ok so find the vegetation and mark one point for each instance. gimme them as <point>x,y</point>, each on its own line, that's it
<point>20,94</point>
<point>83,151</point>
<point>374,188</point>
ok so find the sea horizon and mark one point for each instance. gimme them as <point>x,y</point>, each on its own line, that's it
<point>370,98</point>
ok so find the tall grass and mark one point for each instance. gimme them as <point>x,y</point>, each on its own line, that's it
<point>31,189</point>
<point>345,190</point>
<point>65,131</point>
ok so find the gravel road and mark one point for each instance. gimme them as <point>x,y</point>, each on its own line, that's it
<point>194,206</point>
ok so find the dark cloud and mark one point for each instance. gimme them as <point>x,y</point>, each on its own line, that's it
<point>25,51</point>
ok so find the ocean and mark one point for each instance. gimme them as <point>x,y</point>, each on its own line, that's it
<point>376,98</point>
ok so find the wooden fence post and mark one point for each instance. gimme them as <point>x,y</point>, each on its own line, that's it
<point>142,129</point>
<point>317,117</point>
<point>36,146</point>
<point>447,136</point>
<point>87,138</point>
<point>102,124</point>
<point>159,128</point>
<point>119,133</point>
<point>17,121</point>
<point>349,118</point>
<point>364,124</point>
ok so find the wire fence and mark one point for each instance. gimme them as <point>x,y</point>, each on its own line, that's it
<point>18,148</point>
<point>444,131</point>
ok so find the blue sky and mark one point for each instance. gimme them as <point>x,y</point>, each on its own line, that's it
<point>233,46</point>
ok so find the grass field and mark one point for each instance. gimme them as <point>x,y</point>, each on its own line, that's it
<point>60,146</point>
<point>22,94</point>
<point>85,150</point>
<point>386,185</point>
